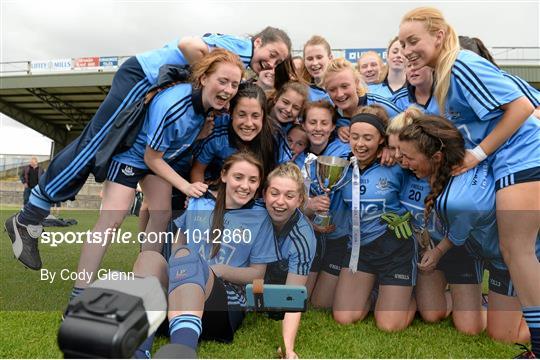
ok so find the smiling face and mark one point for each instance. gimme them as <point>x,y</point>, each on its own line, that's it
<point>414,160</point>
<point>288,106</point>
<point>318,125</point>
<point>247,118</point>
<point>316,59</point>
<point>242,181</point>
<point>395,58</point>
<point>342,86</point>
<point>282,198</point>
<point>297,140</point>
<point>420,47</point>
<point>220,86</point>
<point>266,79</point>
<point>268,56</point>
<point>369,68</point>
<point>365,140</point>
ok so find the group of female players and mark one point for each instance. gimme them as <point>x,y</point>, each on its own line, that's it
<point>444,182</point>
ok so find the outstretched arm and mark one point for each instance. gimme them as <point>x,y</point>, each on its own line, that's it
<point>239,275</point>
<point>291,321</point>
<point>193,48</point>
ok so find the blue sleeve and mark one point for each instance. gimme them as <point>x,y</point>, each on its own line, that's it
<point>388,105</point>
<point>241,47</point>
<point>264,249</point>
<point>284,152</point>
<point>482,85</point>
<point>180,221</point>
<point>401,100</point>
<point>207,151</point>
<point>531,93</point>
<point>461,224</point>
<point>302,250</point>
<point>162,109</point>
<point>342,121</point>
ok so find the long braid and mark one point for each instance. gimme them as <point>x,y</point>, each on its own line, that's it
<point>432,134</point>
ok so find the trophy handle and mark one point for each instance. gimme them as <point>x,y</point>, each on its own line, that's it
<point>342,182</point>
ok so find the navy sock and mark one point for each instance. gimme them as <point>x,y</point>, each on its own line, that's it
<point>143,352</point>
<point>32,215</point>
<point>76,291</point>
<point>532,317</point>
<point>185,330</point>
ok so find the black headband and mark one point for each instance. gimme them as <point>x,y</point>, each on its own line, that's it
<point>371,119</point>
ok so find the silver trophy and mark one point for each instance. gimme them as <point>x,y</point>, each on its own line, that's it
<point>331,172</point>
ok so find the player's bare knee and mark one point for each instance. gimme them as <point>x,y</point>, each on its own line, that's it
<point>346,317</point>
<point>390,321</point>
<point>470,326</point>
<point>432,316</point>
<point>502,335</point>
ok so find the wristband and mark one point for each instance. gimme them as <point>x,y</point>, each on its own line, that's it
<point>478,153</point>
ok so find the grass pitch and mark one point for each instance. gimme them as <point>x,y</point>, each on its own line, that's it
<point>30,311</point>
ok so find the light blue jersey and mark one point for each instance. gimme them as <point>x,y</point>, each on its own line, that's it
<point>384,90</point>
<point>371,99</point>
<point>335,147</point>
<point>477,91</point>
<point>407,98</point>
<point>316,93</point>
<point>465,213</point>
<point>172,123</point>
<point>412,197</point>
<point>530,92</point>
<point>296,244</point>
<point>217,145</point>
<point>152,60</point>
<point>380,188</point>
<point>284,153</point>
<point>247,237</point>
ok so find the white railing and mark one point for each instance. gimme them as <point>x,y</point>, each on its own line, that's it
<point>516,55</point>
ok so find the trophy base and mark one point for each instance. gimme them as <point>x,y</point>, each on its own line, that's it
<point>322,220</point>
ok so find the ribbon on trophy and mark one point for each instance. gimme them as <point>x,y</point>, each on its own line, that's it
<point>355,251</point>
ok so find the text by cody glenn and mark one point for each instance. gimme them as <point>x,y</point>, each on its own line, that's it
<point>85,276</point>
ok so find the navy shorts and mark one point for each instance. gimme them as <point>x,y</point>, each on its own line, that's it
<point>461,267</point>
<point>219,321</point>
<point>126,175</point>
<point>329,255</point>
<point>393,261</point>
<point>527,175</point>
<point>500,281</point>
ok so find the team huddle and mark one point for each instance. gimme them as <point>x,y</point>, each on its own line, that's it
<point>439,180</point>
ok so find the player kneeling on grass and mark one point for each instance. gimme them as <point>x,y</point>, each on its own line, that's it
<point>224,241</point>
<point>284,196</point>
<point>464,206</point>
<point>387,253</point>
<point>459,267</point>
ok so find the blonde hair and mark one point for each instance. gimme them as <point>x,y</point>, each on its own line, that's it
<point>402,120</point>
<point>434,21</point>
<point>289,170</point>
<point>382,66</point>
<point>340,64</point>
<point>208,65</point>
